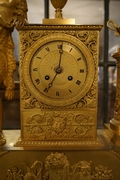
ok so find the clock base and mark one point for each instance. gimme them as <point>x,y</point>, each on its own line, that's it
<point>60,145</point>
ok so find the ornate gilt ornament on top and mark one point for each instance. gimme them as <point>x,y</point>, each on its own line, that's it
<point>115,122</point>
<point>58,5</point>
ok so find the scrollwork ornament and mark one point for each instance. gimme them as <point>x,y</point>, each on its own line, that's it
<point>89,100</point>
<point>58,125</point>
<point>2,139</point>
<point>90,39</point>
<point>28,38</point>
<point>82,131</point>
<point>114,27</point>
<point>83,119</point>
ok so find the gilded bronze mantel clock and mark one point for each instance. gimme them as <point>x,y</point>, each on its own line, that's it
<point>59,83</point>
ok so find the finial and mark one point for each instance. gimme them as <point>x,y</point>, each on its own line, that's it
<point>58,5</point>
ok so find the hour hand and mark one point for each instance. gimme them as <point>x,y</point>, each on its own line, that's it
<point>47,88</point>
<point>50,84</point>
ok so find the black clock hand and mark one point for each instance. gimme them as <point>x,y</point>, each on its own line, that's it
<point>60,51</point>
<point>58,70</point>
<point>50,84</point>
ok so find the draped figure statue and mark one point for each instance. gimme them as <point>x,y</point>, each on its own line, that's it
<point>13,13</point>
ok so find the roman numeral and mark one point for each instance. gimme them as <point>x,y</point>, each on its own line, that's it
<point>70,50</point>
<point>82,70</point>
<point>59,46</point>
<point>70,91</point>
<point>78,82</point>
<point>57,94</point>
<point>46,90</point>
<point>35,69</point>
<point>78,59</point>
<point>38,57</point>
<point>37,81</point>
<point>47,49</point>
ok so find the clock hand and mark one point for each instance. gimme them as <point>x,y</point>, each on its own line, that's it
<point>50,84</point>
<point>58,70</point>
<point>60,51</point>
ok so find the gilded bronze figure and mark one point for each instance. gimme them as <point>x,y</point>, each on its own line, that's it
<point>13,13</point>
<point>115,121</point>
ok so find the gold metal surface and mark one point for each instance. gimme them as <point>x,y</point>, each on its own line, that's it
<point>72,165</point>
<point>57,166</point>
<point>58,5</point>
<point>114,27</point>
<point>115,122</point>
<point>2,138</point>
<point>1,114</point>
<point>85,163</point>
<point>58,85</point>
<point>62,75</point>
<point>58,21</point>
<point>12,14</point>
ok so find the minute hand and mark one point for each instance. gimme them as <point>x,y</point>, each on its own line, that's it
<point>57,71</point>
<point>60,51</point>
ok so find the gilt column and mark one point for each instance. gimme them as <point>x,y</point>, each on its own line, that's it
<point>115,122</point>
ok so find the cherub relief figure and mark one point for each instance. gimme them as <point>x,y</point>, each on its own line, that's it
<point>13,13</point>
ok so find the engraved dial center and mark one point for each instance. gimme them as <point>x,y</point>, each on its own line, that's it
<point>58,70</point>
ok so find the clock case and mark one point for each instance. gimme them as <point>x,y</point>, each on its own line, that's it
<point>51,126</point>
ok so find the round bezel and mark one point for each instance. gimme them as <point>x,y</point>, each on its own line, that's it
<point>51,99</point>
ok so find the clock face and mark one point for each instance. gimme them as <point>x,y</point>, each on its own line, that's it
<point>59,70</point>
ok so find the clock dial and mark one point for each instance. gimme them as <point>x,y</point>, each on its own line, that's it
<point>59,70</point>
